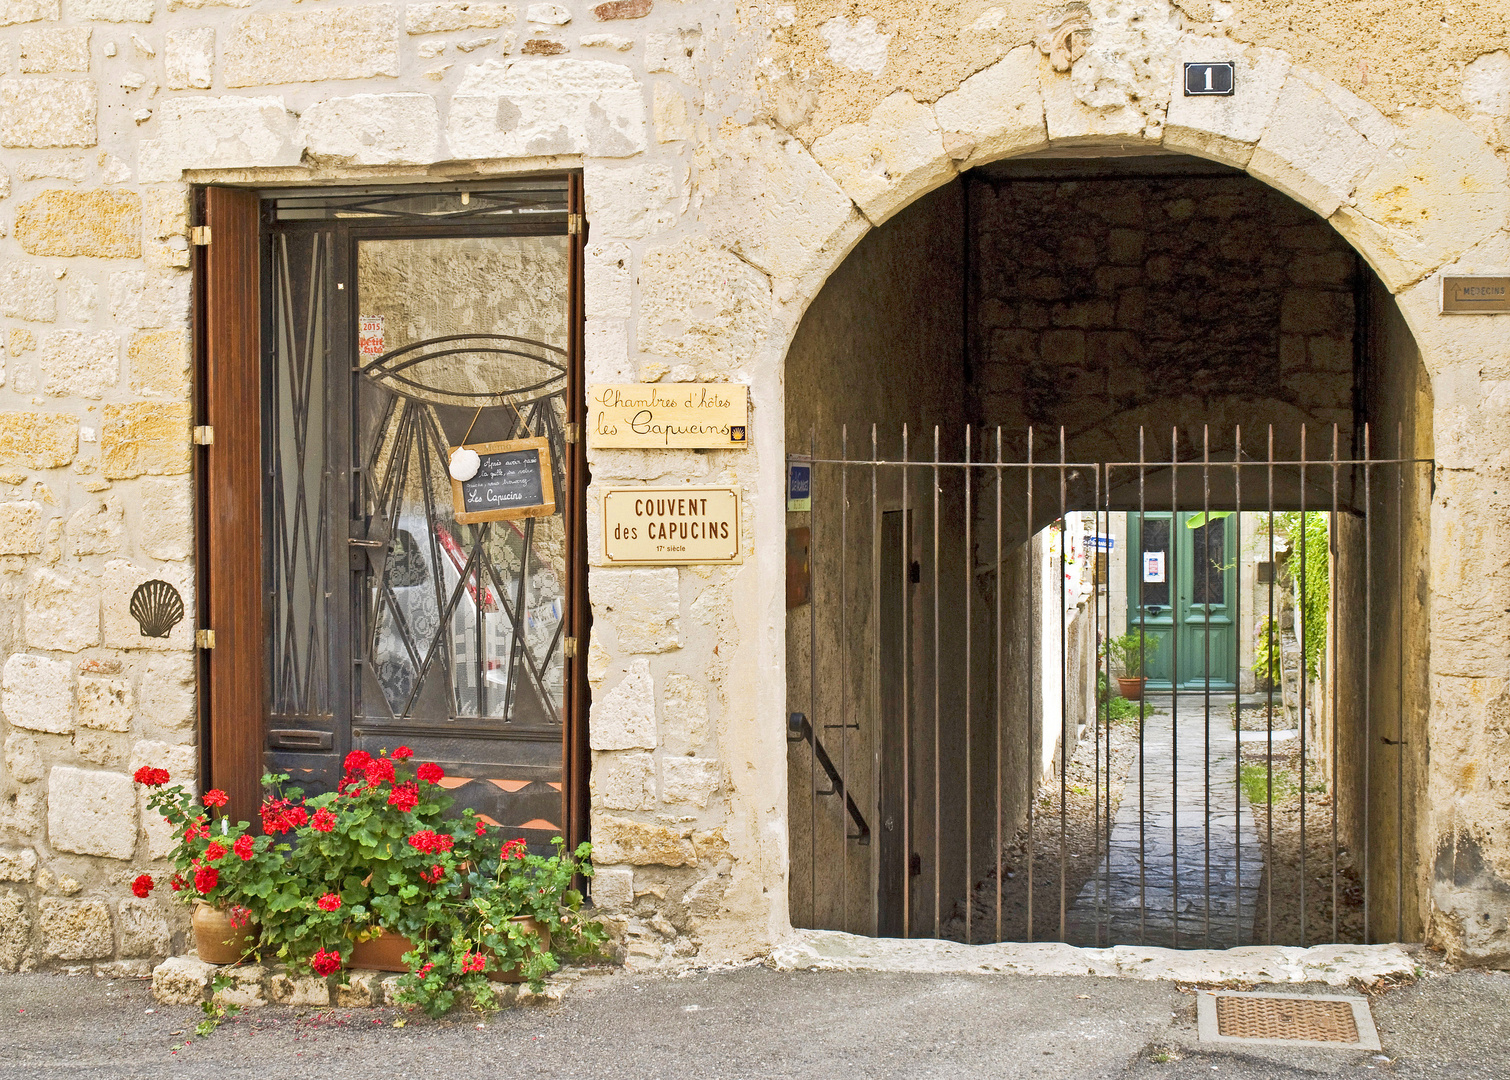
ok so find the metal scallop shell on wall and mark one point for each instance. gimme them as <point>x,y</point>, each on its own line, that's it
<point>157,608</point>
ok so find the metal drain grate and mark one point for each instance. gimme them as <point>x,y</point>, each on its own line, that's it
<point>1310,1020</point>
<point>1337,1021</point>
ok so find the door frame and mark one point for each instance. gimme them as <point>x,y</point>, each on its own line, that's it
<point>229,297</point>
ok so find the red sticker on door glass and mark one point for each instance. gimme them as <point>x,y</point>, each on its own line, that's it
<point>370,337</point>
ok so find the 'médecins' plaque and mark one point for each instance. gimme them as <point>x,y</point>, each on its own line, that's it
<point>651,416</point>
<point>1475,295</point>
<point>650,526</point>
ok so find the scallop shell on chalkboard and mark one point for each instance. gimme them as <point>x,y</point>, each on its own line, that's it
<point>157,608</point>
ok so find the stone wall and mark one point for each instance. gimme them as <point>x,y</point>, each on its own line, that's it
<point>731,157</point>
<point>1104,305</point>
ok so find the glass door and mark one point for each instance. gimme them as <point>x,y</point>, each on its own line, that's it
<point>400,616</point>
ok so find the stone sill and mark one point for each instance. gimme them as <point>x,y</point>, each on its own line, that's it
<point>1336,965</point>
<point>185,980</point>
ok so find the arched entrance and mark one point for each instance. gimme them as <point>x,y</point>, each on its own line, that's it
<point>947,678</point>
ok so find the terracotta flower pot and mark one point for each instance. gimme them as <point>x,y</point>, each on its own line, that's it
<point>512,975</point>
<point>217,940</point>
<point>382,953</point>
<point>1132,689</point>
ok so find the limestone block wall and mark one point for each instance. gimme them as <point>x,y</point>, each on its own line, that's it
<point>1106,304</point>
<point>731,155</point>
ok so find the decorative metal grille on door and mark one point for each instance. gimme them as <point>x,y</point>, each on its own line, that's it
<point>406,325</point>
<point>976,753</point>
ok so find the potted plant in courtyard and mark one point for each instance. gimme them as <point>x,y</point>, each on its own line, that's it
<point>1130,655</point>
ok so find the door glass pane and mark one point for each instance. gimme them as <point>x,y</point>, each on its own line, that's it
<point>298,490</point>
<point>1156,539</point>
<point>1208,548</point>
<point>460,340</point>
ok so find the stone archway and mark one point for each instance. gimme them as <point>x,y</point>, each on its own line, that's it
<point>1415,198</point>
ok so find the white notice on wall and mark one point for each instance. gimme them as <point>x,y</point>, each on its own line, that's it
<point>1153,566</point>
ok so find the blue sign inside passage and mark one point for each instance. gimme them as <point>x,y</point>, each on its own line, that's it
<point>799,487</point>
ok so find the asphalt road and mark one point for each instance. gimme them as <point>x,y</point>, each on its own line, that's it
<point>750,1022</point>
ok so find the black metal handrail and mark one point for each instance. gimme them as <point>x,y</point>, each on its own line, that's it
<point>799,726</point>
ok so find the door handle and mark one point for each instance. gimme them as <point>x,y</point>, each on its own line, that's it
<point>354,542</point>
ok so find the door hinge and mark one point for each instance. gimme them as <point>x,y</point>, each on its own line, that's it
<point>199,235</point>
<point>573,433</point>
<point>569,647</point>
<point>573,224</point>
<point>205,639</point>
<point>204,435</point>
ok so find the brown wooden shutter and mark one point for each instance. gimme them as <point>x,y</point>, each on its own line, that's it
<point>230,569</point>
<point>577,758</point>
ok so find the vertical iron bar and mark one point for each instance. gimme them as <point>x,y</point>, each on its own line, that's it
<point>842,784</point>
<point>812,680</point>
<point>969,789</point>
<point>1172,577</point>
<point>1237,671</point>
<point>877,737</point>
<point>997,662</point>
<point>937,802</point>
<point>1206,654</point>
<point>1334,681</point>
<point>1271,645</point>
<point>1142,706</point>
<point>1064,705</point>
<point>1304,621</point>
<point>1400,682</point>
<point>1368,669</point>
<point>1032,653</point>
<point>1093,559</point>
<point>906,698</point>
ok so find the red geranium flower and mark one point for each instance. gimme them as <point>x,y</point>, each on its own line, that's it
<point>151,777</point>
<point>431,773</point>
<point>431,842</point>
<point>325,963</point>
<point>329,902</point>
<point>433,875</point>
<point>243,847</point>
<point>177,883</point>
<point>379,771</point>
<point>281,816</point>
<point>142,885</point>
<point>213,852</point>
<point>356,761</point>
<point>402,753</point>
<point>513,849</point>
<point>197,828</point>
<point>323,821</point>
<point>482,827</point>
<point>405,797</point>
<point>205,879</point>
<point>471,962</point>
<point>215,797</point>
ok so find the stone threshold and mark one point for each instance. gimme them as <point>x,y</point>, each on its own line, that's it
<point>1336,965</point>
<point>186,980</point>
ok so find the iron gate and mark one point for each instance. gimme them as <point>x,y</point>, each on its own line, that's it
<point>967,762</point>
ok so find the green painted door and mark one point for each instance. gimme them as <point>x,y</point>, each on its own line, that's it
<point>1181,588</point>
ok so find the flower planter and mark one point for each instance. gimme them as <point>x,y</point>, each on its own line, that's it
<point>512,975</point>
<point>382,953</point>
<point>1132,689</point>
<point>218,940</point>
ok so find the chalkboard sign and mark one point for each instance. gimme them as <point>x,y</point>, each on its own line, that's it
<point>513,481</point>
